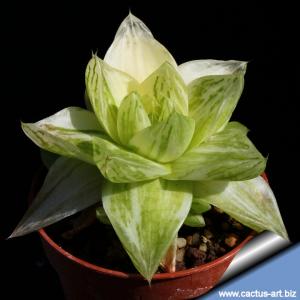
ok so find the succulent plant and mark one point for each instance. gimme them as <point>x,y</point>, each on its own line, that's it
<point>155,149</point>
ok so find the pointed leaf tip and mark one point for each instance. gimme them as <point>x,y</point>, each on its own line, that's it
<point>146,217</point>
<point>135,51</point>
<point>70,186</point>
<point>250,202</point>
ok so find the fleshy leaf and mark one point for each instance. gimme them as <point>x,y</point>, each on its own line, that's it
<point>227,155</point>
<point>135,51</point>
<point>106,87</point>
<point>165,141</point>
<point>70,186</point>
<point>132,118</point>
<point>194,69</point>
<point>146,217</point>
<point>212,100</point>
<point>102,216</point>
<point>194,220</point>
<point>250,202</point>
<point>164,91</point>
<point>114,162</point>
<point>199,206</point>
<point>73,118</point>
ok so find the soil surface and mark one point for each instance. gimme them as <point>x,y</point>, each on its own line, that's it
<point>98,244</point>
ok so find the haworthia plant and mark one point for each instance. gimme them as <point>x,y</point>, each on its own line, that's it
<point>155,149</point>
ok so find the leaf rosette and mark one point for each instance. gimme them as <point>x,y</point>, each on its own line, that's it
<point>155,150</point>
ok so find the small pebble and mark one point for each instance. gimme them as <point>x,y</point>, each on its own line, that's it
<point>203,247</point>
<point>181,242</point>
<point>180,255</point>
<point>225,226</point>
<point>204,239</point>
<point>231,240</point>
<point>180,266</point>
<point>208,221</point>
<point>189,240</point>
<point>196,239</point>
<point>194,253</point>
<point>237,225</point>
<point>208,234</point>
<point>201,259</point>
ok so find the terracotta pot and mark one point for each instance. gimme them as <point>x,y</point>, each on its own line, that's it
<point>84,281</point>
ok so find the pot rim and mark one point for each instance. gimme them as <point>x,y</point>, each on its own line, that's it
<point>161,276</point>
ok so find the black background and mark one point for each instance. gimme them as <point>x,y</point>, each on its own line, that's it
<point>46,49</point>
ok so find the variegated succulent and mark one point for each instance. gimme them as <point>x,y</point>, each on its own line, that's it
<point>155,149</point>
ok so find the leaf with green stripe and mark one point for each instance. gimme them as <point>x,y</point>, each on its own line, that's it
<point>106,88</point>
<point>250,202</point>
<point>212,100</point>
<point>146,217</point>
<point>70,186</point>
<point>165,141</point>
<point>132,117</point>
<point>227,155</point>
<point>115,163</point>
<point>135,50</point>
<point>195,69</point>
<point>165,91</point>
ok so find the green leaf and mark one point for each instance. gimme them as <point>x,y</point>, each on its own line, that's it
<point>165,141</point>
<point>164,91</point>
<point>199,206</point>
<point>146,217</point>
<point>194,69</point>
<point>106,88</point>
<point>194,220</point>
<point>132,118</point>
<point>102,216</point>
<point>114,162</point>
<point>250,202</point>
<point>135,51</point>
<point>212,100</point>
<point>227,155</point>
<point>70,186</point>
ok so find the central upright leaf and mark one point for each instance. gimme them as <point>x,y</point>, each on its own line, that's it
<point>165,141</point>
<point>146,217</point>
<point>164,91</point>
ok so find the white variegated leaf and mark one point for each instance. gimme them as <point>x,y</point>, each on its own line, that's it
<point>114,162</point>
<point>227,155</point>
<point>106,88</point>
<point>165,141</point>
<point>164,91</point>
<point>70,186</point>
<point>132,117</point>
<point>146,217</point>
<point>135,51</point>
<point>250,202</point>
<point>212,100</point>
<point>73,118</point>
<point>194,69</point>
